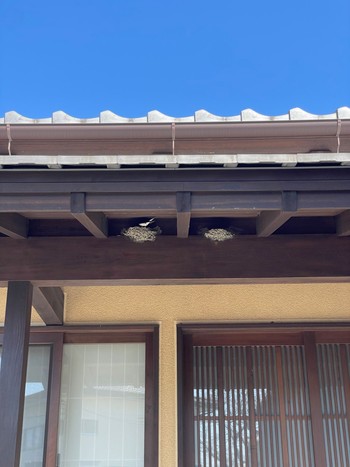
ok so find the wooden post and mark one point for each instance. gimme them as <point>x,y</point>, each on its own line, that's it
<point>14,370</point>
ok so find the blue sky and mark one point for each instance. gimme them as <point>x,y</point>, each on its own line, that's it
<point>133,56</point>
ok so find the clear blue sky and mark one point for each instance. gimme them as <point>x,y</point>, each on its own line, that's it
<point>133,56</point>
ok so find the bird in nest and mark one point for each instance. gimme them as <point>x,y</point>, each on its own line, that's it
<point>147,223</point>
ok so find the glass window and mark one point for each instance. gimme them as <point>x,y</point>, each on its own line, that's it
<point>91,397</point>
<point>102,420</point>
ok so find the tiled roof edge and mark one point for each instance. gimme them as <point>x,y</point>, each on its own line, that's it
<point>201,116</point>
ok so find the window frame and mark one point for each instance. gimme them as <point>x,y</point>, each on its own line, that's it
<point>307,335</point>
<point>57,336</point>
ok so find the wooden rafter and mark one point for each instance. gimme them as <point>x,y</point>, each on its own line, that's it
<point>268,222</point>
<point>96,222</point>
<point>13,225</point>
<point>343,223</point>
<point>49,304</point>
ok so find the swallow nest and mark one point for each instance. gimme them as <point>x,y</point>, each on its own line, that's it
<point>141,234</point>
<point>218,235</point>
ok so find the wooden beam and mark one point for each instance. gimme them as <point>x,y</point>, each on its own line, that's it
<point>49,303</point>
<point>13,370</point>
<point>95,222</point>
<point>183,213</point>
<point>13,225</point>
<point>135,181</point>
<point>343,223</point>
<point>117,260</point>
<point>268,222</point>
<point>146,204</point>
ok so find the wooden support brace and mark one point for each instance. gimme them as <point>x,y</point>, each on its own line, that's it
<point>49,303</point>
<point>95,222</point>
<point>343,223</point>
<point>183,213</point>
<point>14,225</point>
<point>14,370</point>
<point>268,222</point>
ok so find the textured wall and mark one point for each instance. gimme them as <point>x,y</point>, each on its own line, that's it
<point>169,305</point>
<point>36,320</point>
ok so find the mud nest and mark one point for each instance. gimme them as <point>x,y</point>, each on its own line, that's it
<point>141,234</point>
<point>218,235</point>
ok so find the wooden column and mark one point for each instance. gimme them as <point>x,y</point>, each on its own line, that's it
<point>14,370</point>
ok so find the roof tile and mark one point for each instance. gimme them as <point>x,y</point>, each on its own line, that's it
<point>107,117</point>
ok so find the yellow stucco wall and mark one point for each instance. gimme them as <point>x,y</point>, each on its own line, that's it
<point>169,305</point>
<point>36,320</point>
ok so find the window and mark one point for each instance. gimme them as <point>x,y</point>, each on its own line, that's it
<point>91,397</point>
<point>264,397</point>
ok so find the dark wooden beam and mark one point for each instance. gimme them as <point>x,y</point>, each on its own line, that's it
<point>96,222</point>
<point>183,213</point>
<point>343,223</point>
<point>13,371</point>
<point>171,181</point>
<point>117,260</point>
<point>13,225</point>
<point>203,203</point>
<point>268,222</point>
<point>49,303</point>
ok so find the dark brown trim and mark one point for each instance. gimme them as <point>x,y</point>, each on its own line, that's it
<point>181,397</point>
<point>53,402</point>
<point>13,370</point>
<point>282,408</point>
<point>152,398</point>
<point>186,435</point>
<point>116,329</point>
<point>326,331</point>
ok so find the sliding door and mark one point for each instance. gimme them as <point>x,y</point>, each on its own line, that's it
<point>261,402</point>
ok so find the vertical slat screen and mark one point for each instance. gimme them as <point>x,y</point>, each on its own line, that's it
<point>206,407</point>
<point>237,428</point>
<point>269,450</point>
<point>239,393</point>
<point>333,369</point>
<point>297,407</point>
